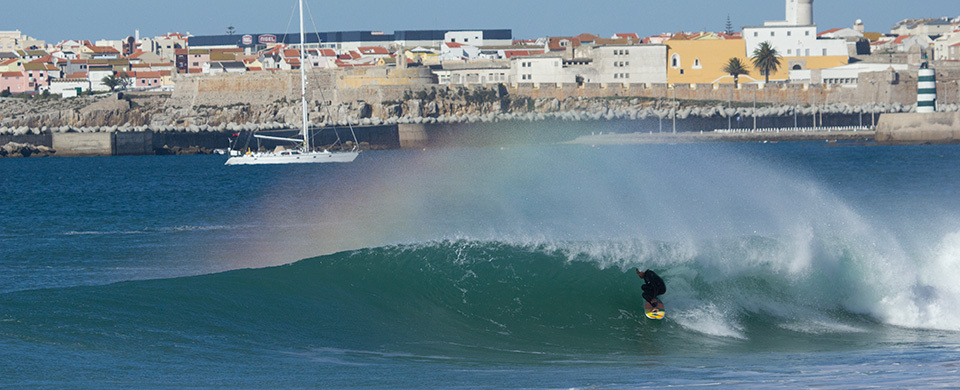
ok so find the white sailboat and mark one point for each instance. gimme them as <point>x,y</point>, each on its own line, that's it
<point>304,154</point>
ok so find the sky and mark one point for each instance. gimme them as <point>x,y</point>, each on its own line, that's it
<point>57,20</point>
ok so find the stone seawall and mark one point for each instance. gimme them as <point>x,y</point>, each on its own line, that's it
<point>914,128</point>
<point>374,85</point>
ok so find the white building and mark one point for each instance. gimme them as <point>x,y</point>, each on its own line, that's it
<point>941,46</point>
<point>95,75</point>
<point>165,46</point>
<point>473,38</point>
<point>539,70</point>
<point>473,76</point>
<point>609,64</point>
<point>929,27</point>
<point>452,51</point>
<point>846,76</point>
<point>794,37</point>
<point>629,64</point>
<point>69,87</point>
<point>15,40</point>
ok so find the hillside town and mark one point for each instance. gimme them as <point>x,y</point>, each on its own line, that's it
<point>808,55</point>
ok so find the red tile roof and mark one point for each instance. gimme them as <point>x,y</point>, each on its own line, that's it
<point>11,74</point>
<point>586,37</point>
<point>146,75</point>
<point>76,76</point>
<point>103,49</point>
<point>832,30</point>
<point>553,43</point>
<point>521,53</point>
<point>632,36</point>
<point>900,39</point>
<point>373,50</point>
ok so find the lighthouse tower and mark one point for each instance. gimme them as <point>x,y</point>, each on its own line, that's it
<point>799,12</point>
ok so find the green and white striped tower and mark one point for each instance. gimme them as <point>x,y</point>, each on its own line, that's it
<point>927,91</point>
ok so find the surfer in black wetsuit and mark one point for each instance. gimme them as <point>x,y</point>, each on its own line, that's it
<point>652,286</point>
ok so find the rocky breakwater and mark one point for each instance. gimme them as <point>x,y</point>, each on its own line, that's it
<point>471,105</point>
<point>231,107</point>
<point>14,149</point>
<point>87,113</point>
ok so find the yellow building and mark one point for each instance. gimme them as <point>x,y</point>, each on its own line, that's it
<point>10,65</point>
<point>702,62</point>
<point>423,56</point>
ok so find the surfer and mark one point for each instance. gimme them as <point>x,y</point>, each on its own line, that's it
<point>652,286</point>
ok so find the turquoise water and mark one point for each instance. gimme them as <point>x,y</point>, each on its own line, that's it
<point>792,264</point>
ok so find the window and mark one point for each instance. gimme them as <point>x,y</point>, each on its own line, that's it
<point>824,51</point>
<point>626,52</point>
<point>756,34</point>
<point>773,33</point>
<point>696,64</point>
<point>789,33</point>
<point>675,61</point>
<point>789,52</point>
<point>806,33</point>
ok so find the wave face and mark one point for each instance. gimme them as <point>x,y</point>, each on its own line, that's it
<point>479,299</point>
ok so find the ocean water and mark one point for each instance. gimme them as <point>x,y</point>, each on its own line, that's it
<point>787,265</point>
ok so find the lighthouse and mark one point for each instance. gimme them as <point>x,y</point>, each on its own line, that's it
<point>799,12</point>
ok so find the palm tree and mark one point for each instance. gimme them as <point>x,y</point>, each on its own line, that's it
<point>119,81</point>
<point>766,59</point>
<point>735,68</point>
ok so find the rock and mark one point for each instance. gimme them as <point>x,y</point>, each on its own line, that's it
<point>15,150</point>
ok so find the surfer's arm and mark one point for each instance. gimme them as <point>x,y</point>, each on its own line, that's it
<point>639,273</point>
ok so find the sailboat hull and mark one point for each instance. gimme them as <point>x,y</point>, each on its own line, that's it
<point>293,158</point>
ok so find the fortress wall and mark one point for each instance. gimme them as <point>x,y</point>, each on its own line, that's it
<point>912,128</point>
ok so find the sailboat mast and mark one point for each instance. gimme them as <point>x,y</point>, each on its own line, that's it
<point>303,83</point>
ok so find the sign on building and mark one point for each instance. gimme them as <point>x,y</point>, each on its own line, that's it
<point>267,39</point>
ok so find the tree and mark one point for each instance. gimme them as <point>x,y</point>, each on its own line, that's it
<point>766,59</point>
<point>735,68</point>
<point>118,81</point>
<point>729,26</point>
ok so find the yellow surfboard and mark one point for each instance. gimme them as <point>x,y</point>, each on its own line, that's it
<point>654,313</point>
